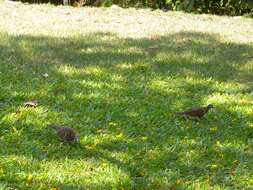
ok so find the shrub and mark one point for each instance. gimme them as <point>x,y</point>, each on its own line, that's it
<point>220,7</point>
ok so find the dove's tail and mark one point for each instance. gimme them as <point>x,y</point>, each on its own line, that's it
<point>179,113</point>
<point>53,126</point>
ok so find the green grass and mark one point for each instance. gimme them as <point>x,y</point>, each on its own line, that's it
<point>105,82</point>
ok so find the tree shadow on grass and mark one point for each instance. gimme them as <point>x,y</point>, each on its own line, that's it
<point>121,98</point>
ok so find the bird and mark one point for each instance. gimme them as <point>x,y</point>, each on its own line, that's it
<point>196,112</point>
<point>32,104</point>
<point>66,134</point>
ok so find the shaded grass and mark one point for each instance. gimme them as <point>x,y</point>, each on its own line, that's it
<point>121,97</point>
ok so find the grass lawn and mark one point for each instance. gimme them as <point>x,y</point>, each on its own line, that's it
<point>106,82</point>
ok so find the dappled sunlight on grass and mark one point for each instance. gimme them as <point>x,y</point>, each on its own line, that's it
<point>120,94</point>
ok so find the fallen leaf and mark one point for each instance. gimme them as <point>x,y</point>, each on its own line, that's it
<point>45,75</point>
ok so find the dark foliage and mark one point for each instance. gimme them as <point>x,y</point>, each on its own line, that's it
<point>220,7</point>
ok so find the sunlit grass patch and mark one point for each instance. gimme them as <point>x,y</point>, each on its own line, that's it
<point>117,76</point>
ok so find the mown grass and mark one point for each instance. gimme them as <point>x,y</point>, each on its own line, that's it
<point>120,96</point>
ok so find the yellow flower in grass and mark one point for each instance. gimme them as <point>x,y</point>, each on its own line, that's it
<point>218,143</point>
<point>112,124</point>
<point>144,138</point>
<point>213,129</point>
<point>178,181</point>
<point>104,163</point>
<point>29,178</point>
<point>119,135</point>
<point>214,166</point>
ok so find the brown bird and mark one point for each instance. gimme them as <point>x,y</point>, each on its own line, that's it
<point>196,112</point>
<point>65,133</point>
